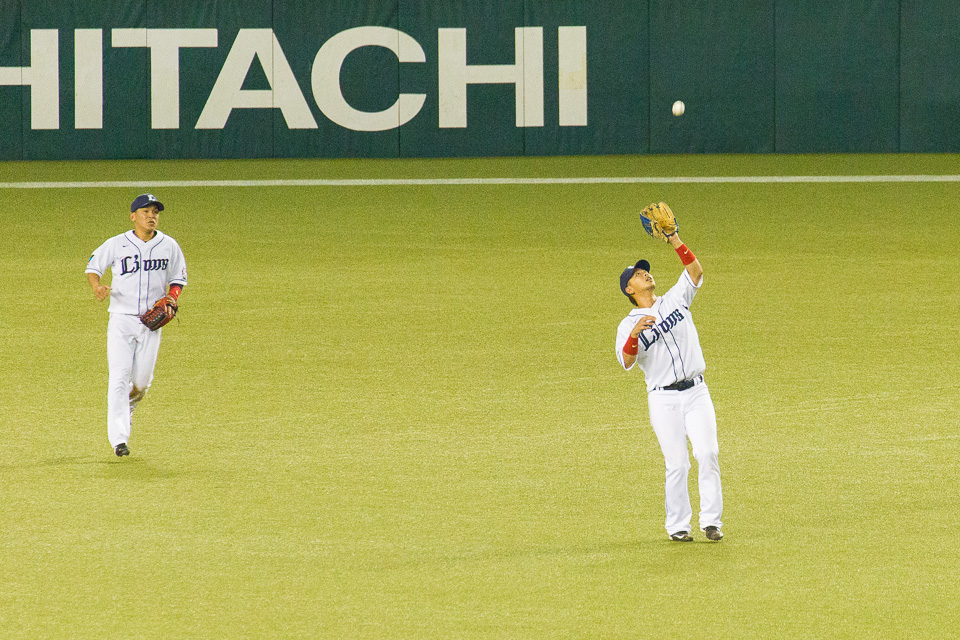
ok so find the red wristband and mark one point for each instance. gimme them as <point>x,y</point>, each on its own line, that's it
<point>175,290</point>
<point>632,347</point>
<point>686,256</point>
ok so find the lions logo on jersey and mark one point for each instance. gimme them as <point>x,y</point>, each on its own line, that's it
<point>131,264</point>
<point>669,323</point>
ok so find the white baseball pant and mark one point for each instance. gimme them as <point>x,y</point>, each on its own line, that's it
<point>676,416</point>
<point>131,356</point>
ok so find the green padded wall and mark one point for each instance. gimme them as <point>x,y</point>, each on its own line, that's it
<point>717,58</point>
<point>837,87</point>
<point>421,78</point>
<point>930,76</point>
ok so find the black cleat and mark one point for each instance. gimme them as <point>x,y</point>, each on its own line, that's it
<point>713,534</point>
<point>122,449</point>
<point>681,536</point>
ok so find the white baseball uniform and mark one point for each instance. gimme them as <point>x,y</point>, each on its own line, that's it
<point>142,273</point>
<point>670,353</point>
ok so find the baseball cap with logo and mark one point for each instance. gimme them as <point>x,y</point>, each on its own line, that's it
<point>628,273</point>
<point>144,200</point>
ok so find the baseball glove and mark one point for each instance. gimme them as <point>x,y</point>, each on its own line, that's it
<point>157,316</point>
<point>659,221</point>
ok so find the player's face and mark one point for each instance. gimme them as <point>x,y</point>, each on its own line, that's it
<point>641,281</point>
<point>146,218</point>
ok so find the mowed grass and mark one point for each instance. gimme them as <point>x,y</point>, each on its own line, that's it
<point>395,412</point>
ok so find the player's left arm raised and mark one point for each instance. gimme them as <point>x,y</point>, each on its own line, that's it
<point>690,261</point>
<point>660,223</point>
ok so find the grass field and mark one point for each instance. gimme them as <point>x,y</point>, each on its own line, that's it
<point>395,411</point>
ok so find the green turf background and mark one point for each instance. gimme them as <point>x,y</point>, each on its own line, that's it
<point>395,412</point>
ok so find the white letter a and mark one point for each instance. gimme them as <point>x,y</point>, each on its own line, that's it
<point>284,92</point>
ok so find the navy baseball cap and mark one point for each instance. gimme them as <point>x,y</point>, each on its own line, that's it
<point>628,273</point>
<point>145,199</point>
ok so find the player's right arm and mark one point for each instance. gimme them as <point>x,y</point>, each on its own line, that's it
<point>99,291</point>
<point>97,265</point>
<point>628,343</point>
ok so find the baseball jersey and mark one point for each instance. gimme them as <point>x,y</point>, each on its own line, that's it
<point>670,350</point>
<point>142,271</point>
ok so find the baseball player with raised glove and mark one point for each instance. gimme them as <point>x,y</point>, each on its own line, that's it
<point>149,272</point>
<point>659,336</point>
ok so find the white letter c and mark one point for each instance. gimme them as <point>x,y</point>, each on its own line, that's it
<point>326,78</point>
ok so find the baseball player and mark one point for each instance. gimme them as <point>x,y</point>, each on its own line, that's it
<point>660,337</point>
<point>146,266</point>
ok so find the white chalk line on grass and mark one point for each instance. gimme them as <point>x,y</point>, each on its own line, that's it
<point>400,182</point>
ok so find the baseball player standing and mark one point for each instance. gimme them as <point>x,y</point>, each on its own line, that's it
<point>144,263</point>
<point>659,336</point>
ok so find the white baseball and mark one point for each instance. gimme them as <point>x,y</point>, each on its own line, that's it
<point>678,108</point>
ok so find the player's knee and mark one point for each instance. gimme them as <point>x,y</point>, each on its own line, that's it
<point>119,379</point>
<point>677,465</point>
<point>707,455</point>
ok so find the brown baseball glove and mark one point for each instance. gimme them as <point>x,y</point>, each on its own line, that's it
<point>157,316</point>
<point>658,221</point>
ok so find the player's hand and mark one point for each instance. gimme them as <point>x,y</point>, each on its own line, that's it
<point>646,322</point>
<point>101,292</point>
<point>171,305</point>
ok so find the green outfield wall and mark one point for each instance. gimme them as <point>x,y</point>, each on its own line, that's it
<point>418,78</point>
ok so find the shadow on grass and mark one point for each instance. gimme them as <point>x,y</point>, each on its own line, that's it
<point>60,461</point>
<point>105,466</point>
<point>655,550</point>
<point>134,468</point>
<point>598,552</point>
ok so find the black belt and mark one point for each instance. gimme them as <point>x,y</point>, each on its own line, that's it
<point>681,385</point>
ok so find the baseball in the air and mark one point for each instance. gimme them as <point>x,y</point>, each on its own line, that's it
<point>678,108</point>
